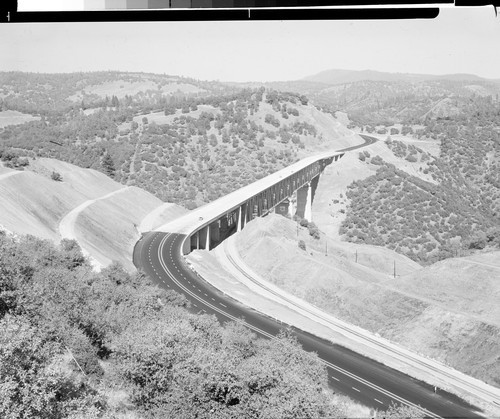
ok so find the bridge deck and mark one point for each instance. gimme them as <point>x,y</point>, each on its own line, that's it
<point>202,216</point>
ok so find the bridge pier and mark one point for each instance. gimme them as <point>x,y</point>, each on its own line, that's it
<point>292,205</point>
<point>308,208</point>
<point>204,238</point>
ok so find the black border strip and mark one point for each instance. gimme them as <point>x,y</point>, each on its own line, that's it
<point>167,15</point>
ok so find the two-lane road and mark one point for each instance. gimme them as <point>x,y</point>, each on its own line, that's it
<point>371,383</point>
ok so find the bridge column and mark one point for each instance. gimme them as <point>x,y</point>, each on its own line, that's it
<point>308,208</point>
<point>292,206</point>
<point>239,226</point>
<point>198,240</point>
<point>207,243</point>
<point>204,238</point>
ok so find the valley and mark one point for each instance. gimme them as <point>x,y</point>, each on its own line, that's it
<point>409,231</point>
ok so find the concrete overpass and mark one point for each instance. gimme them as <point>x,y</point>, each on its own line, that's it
<point>288,191</point>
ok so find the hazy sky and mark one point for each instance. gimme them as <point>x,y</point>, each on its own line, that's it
<point>465,40</point>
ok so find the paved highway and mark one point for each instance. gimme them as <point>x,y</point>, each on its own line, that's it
<point>159,255</point>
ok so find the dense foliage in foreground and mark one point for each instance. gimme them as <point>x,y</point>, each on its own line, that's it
<point>68,335</point>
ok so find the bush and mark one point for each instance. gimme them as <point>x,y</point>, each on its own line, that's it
<point>302,245</point>
<point>313,230</point>
<point>56,176</point>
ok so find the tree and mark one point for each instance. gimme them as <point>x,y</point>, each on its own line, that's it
<point>56,176</point>
<point>313,230</point>
<point>115,102</point>
<point>402,412</point>
<point>108,165</point>
<point>35,380</point>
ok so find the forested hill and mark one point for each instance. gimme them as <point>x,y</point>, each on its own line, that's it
<point>56,94</point>
<point>186,141</point>
<point>374,99</point>
<point>458,212</point>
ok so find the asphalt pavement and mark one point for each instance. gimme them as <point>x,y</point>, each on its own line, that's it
<point>373,384</point>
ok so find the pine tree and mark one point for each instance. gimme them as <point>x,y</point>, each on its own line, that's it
<point>108,165</point>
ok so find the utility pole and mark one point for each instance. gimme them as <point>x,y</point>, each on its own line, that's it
<point>356,255</point>
<point>326,248</point>
<point>394,268</point>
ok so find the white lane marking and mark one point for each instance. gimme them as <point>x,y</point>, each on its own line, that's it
<point>354,388</point>
<point>223,305</point>
<point>378,401</point>
<point>336,379</point>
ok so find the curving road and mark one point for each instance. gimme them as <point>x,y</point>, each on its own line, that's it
<point>159,255</point>
<point>373,384</point>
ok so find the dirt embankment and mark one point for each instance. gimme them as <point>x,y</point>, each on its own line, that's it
<point>447,311</point>
<point>101,214</point>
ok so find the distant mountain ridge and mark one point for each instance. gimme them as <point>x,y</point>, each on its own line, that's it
<point>337,76</point>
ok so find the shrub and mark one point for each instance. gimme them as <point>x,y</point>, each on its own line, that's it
<point>56,176</point>
<point>313,230</point>
<point>302,245</point>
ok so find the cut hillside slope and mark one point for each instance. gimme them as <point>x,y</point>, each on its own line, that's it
<point>101,214</point>
<point>161,215</point>
<point>451,331</point>
<point>33,204</point>
<point>88,182</point>
<point>107,228</point>
<point>476,290</point>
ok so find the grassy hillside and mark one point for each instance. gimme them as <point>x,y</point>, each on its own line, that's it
<point>50,95</point>
<point>15,118</point>
<point>446,311</point>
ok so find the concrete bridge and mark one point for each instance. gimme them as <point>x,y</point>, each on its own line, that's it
<point>289,191</point>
